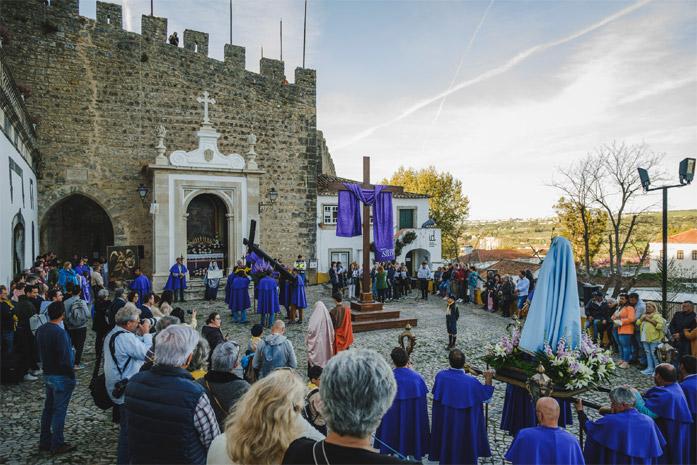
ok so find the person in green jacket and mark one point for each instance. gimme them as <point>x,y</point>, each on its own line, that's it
<point>651,326</point>
<point>381,283</point>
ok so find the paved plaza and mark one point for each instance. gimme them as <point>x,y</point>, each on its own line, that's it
<point>94,434</point>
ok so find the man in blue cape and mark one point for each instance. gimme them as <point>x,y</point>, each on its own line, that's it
<point>141,285</point>
<point>404,427</point>
<point>624,436</point>
<point>239,296</point>
<point>177,279</point>
<point>546,443</point>
<point>667,404</point>
<point>298,300</point>
<point>267,299</point>
<point>688,373</point>
<point>519,411</point>
<point>458,433</point>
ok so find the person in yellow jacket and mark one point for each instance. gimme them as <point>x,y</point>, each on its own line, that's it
<point>651,325</point>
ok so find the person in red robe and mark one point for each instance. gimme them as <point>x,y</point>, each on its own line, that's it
<point>341,319</point>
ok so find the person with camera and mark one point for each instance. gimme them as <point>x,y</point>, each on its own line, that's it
<point>125,350</point>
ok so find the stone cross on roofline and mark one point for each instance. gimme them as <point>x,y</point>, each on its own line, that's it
<point>205,100</point>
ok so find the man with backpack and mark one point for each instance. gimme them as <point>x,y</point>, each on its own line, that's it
<point>274,351</point>
<point>76,316</point>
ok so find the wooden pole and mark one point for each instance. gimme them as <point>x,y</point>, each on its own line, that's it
<point>366,288</point>
<point>281,36</point>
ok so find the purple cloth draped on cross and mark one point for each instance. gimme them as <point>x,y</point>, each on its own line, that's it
<point>349,217</point>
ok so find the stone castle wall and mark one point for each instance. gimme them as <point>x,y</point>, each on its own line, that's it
<point>98,93</point>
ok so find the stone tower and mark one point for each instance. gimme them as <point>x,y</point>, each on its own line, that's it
<point>99,93</point>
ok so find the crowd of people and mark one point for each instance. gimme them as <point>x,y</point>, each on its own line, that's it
<point>227,402</point>
<point>634,329</point>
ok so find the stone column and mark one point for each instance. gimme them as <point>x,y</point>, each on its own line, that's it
<point>231,242</point>
<point>180,240</point>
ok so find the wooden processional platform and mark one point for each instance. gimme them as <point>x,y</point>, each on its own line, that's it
<point>368,315</point>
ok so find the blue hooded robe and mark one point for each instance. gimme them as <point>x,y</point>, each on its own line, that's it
<point>689,387</point>
<point>540,445</point>
<point>142,286</point>
<point>239,294</point>
<point>674,420</point>
<point>297,293</point>
<point>458,432</point>
<point>627,437</point>
<point>267,300</point>
<point>555,310</point>
<point>174,283</point>
<point>519,411</point>
<point>405,425</point>
<point>86,289</point>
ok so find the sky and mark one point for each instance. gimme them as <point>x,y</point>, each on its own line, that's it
<point>498,93</point>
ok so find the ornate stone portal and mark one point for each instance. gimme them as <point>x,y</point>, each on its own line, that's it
<point>203,176</point>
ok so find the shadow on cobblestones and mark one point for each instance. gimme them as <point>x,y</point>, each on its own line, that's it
<point>94,434</point>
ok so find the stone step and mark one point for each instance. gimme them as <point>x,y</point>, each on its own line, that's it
<point>374,325</point>
<point>375,315</point>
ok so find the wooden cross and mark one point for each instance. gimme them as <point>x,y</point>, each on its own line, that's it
<point>205,100</point>
<point>366,288</point>
<point>252,247</point>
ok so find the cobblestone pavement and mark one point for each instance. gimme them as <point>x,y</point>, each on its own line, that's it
<point>94,434</point>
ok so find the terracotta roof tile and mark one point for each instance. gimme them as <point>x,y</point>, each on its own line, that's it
<point>479,255</point>
<point>685,237</point>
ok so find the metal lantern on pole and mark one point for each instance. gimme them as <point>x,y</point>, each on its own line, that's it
<point>686,173</point>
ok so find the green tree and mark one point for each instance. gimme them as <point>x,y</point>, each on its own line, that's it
<point>448,206</point>
<point>587,237</point>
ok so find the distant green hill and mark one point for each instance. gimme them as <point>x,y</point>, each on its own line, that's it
<point>519,233</point>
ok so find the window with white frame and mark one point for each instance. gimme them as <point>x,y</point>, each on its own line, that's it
<point>330,214</point>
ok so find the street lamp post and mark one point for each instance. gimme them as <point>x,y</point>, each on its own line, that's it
<point>686,174</point>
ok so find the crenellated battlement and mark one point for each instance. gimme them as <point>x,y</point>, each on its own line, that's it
<point>62,18</point>
<point>109,14</point>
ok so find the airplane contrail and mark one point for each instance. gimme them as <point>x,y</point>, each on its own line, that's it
<point>426,139</point>
<point>462,60</point>
<point>517,59</point>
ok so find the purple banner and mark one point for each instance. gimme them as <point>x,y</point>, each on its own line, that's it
<point>349,217</point>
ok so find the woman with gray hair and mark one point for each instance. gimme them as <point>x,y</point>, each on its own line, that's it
<point>223,386</point>
<point>357,389</point>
